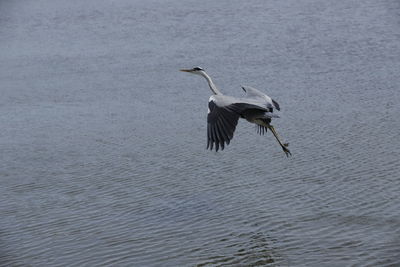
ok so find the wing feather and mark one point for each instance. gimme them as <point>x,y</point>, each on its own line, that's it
<point>216,141</point>
<point>276,105</point>
<point>254,93</point>
<point>223,130</point>
<point>221,124</point>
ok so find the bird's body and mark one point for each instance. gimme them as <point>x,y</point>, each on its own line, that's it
<point>224,112</point>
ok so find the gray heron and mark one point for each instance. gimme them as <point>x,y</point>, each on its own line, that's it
<point>224,112</point>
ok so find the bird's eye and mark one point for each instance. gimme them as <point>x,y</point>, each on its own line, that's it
<point>197,68</point>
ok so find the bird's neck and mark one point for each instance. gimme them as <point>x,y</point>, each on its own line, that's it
<point>213,88</point>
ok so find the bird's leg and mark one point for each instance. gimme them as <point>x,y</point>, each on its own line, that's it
<point>284,146</point>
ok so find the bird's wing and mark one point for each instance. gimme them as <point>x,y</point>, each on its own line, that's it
<point>254,93</point>
<point>223,116</point>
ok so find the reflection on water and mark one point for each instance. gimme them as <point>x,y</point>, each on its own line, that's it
<point>103,158</point>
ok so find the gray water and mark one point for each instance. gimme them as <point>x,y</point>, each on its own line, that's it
<point>102,140</point>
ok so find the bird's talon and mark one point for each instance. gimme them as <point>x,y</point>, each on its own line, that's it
<point>287,151</point>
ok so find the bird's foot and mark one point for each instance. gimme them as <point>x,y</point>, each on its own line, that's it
<point>287,151</point>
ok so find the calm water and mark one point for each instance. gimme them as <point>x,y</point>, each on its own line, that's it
<point>102,140</point>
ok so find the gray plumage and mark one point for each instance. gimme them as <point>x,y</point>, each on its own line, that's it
<point>224,112</point>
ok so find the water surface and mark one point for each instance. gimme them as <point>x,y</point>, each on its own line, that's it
<point>102,140</point>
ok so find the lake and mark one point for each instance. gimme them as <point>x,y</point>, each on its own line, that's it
<point>103,140</point>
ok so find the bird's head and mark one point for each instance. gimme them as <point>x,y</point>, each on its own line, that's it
<point>195,70</point>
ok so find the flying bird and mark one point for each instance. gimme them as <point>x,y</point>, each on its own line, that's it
<point>224,112</point>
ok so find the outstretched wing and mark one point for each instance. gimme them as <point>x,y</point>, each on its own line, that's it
<point>223,115</point>
<point>254,93</point>
<point>221,124</point>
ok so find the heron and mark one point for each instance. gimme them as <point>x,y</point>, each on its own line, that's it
<point>224,112</point>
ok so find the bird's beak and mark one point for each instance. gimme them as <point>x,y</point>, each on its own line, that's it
<point>185,70</point>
